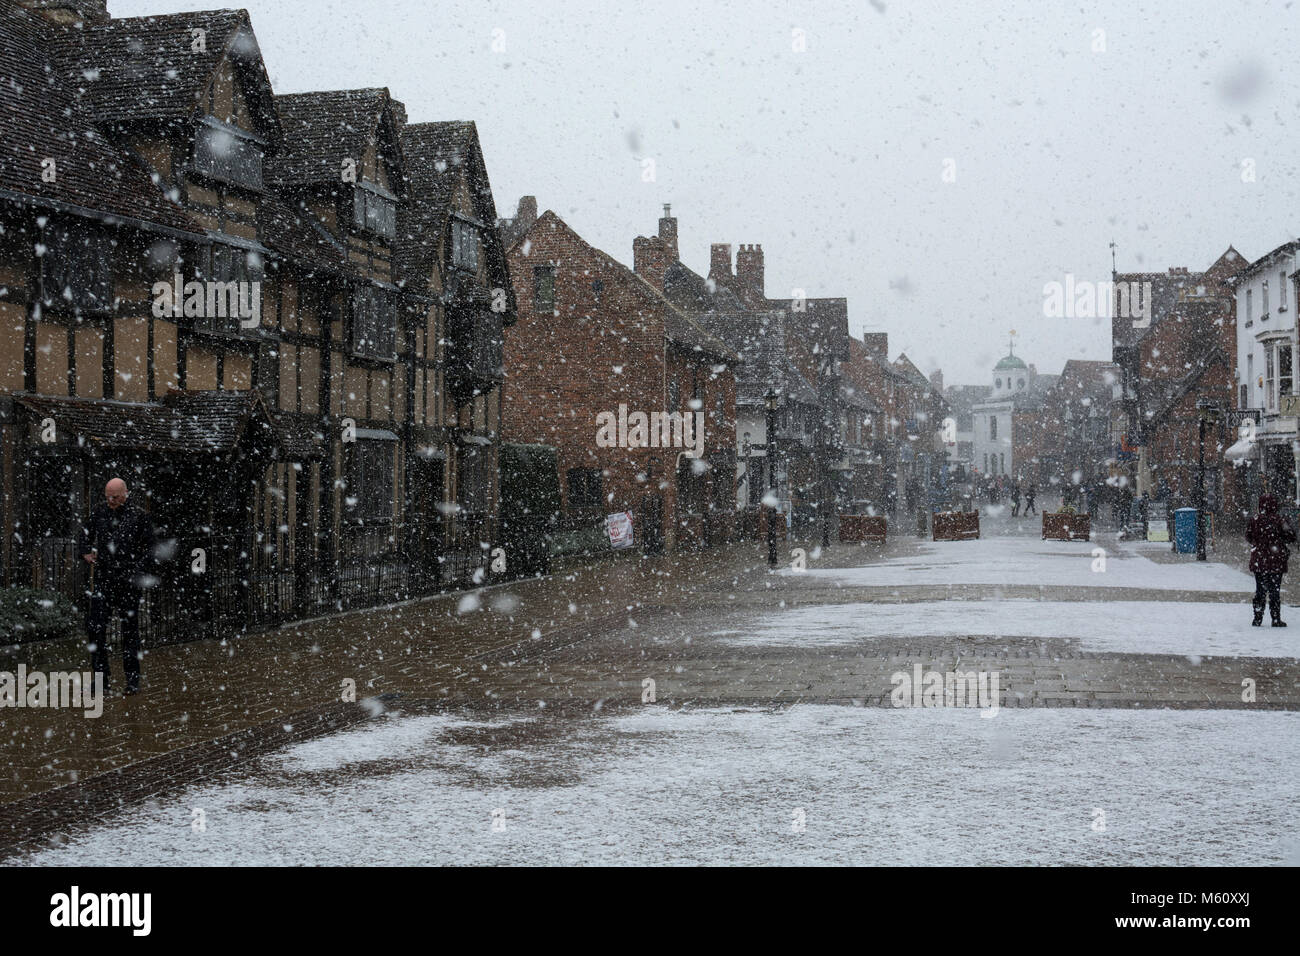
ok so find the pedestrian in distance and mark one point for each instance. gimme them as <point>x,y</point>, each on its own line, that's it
<point>1015,499</point>
<point>1030,492</point>
<point>1268,535</point>
<point>117,543</point>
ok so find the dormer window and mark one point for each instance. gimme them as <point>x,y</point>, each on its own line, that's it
<point>464,245</point>
<point>226,152</point>
<point>374,210</point>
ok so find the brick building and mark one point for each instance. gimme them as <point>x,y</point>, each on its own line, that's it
<point>596,343</point>
<point>793,348</point>
<point>1178,354</point>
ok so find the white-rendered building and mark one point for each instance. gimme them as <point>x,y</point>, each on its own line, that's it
<point>1265,361</point>
<point>991,419</point>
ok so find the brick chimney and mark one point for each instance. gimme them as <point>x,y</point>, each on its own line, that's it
<point>720,263</point>
<point>877,345</point>
<point>936,379</point>
<point>749,270</point>
<point>69,11</point>
<point>512,229</point>
<point>399,113</point>
<point>650,259</point>
<point>668,233</point>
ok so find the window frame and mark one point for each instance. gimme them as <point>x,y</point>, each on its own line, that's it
<point>463,229</point>
<point>541,305</point>
<point>370,467</point>
<point>368,333</point>
<point>587,493</point>
<point>219,262</point>
<point>220,168</point>
<point>374,210</point>
<point>83,252</point>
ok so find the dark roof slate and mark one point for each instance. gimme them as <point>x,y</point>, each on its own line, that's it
<point>321,129</point>
<point>40,118</point>
<point>147,68</point>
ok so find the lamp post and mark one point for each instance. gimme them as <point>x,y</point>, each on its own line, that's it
<point>1207,413</point>
<point>771,399</point>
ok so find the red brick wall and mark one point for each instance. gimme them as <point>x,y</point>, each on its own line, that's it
<point>604,348</point>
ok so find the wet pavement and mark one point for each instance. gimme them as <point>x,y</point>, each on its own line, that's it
<point>679,634</point>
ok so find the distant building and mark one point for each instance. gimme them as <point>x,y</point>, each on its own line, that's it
<point>1265,368</point>
<point>1015,390</point>
<point>1180,353</point>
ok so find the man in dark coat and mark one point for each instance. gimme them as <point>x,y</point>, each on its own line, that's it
<point>1029,499</point>
<point>1015,498</point>
<point>1268,535</point>
<point>117,542</point>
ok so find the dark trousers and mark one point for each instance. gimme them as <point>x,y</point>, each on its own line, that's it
<point>104,606</point>
<point>1015,507</point>
<point>1029,506</point>
<point>1267,584</point>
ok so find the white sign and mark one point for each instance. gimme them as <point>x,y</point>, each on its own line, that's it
<point>619,528</point>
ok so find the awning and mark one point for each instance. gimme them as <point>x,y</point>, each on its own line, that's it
<point>205,422</point>
<point>1241,451</point>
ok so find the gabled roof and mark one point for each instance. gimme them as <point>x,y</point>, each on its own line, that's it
<point>679,328</point>
<point>147,68</point>
<point>41,117</point>
<point>324,127</point>
<point>1288,248</point>
<point>1170,288</point>
<point>438,155</point>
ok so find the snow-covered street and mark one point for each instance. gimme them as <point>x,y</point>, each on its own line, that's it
<point>806,785</point>
<point>769,733</point>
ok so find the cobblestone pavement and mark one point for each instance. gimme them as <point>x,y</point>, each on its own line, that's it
<point>588,637</point>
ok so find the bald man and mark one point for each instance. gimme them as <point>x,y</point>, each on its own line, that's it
<point>117,543</point>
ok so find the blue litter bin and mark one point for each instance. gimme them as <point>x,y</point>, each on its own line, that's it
<point>1185,530</point>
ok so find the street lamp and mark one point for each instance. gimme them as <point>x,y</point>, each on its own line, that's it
<point>1207,413</point>
<point>771,399</point>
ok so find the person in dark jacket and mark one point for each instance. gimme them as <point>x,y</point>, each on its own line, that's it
<point>1030,494</point>
<point>1268,535</point>
<point>117,542</point>
<point>1015,498</point>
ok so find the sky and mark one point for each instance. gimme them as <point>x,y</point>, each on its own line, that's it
<point>936,163</point>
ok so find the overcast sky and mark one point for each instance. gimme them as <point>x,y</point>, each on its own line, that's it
<point>833,158</point>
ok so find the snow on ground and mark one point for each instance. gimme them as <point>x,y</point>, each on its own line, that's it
<point>1140,627</point>
<point>1022,560</point>
<point>875,786</point>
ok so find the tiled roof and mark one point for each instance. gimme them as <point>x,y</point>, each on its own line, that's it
<point>823,323</point>
<point>758,338</point>
<point>208,422</point>
<point>321,129</point>
<point>294,234</point>
<point>41,118</point>
<point>436,154</point>
<point>147,68</point>
<point>694,294</point>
